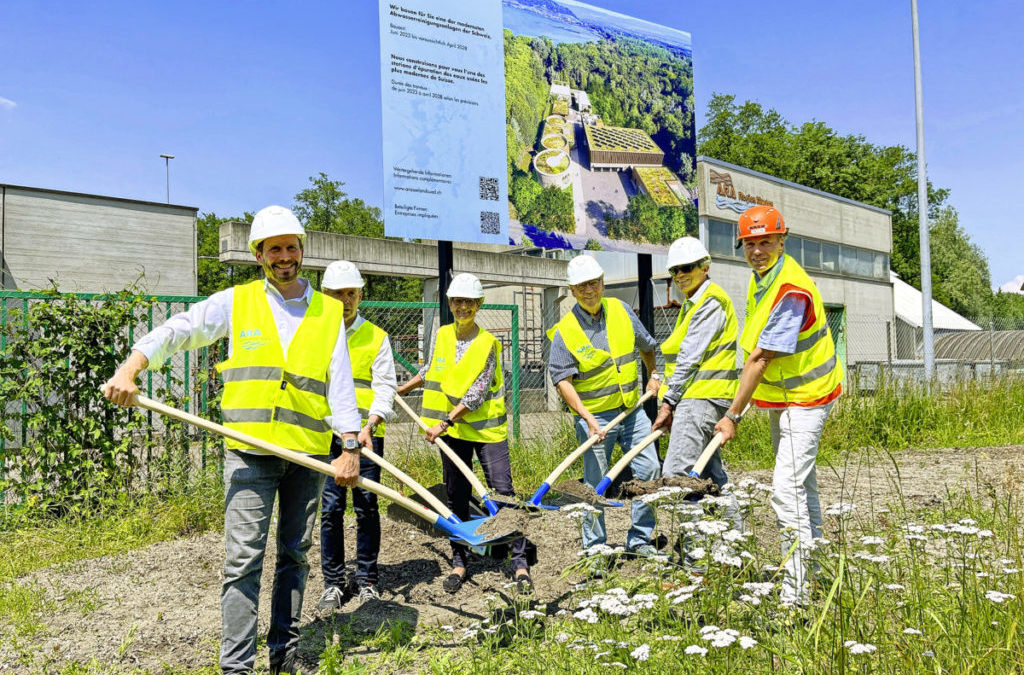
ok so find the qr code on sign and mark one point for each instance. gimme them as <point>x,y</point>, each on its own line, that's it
<point>489,222</point>
<point>489,189</point>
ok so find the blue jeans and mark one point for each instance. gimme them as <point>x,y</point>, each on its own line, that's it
<point>597,461</point>
<point>251,484</point>
<point>332,524</point>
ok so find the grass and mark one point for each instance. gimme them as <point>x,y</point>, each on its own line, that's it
<point>946,578</point>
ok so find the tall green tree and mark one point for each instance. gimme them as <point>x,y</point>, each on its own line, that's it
<point>815,155</point>
<point>213,275</point>
<point>324,206</point>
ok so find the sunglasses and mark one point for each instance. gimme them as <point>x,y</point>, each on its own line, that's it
<point>684,269</point>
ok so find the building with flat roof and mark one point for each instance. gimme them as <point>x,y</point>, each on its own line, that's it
<point>620,148</point>
<point>95,244</point>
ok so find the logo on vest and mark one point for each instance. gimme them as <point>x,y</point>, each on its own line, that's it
<point>249,339</point>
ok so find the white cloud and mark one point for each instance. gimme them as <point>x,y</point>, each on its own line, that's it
<point>1015,285</point>
<point>7,103</point>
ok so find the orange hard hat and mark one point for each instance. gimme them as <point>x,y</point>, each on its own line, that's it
<point>758,221</point>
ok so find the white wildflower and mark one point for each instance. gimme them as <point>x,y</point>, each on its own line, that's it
<point>696,649</point>
<point>1011,570</point>
<point>982,575</point>
<point>859,648</point>
<point>759,588</point>
<point>617,664</point>
<point>725,555</point>
<point>734,536</point>
<point>998,598</point>
<point>712,526</point>
<point>587,615</point>
<point>985,534</point>
<point>696,553</point>
<point>670,638</point>
<point>840,509</point>
<point>968,521</point>
<point>894,587</point>
<point>562,638</point>
<point>871,541</point>
<point>530,614</point>
<point>911,631</point>
<point>641,653</point>
<point>746,642</point>
<point>914,528</point>
<point>928,653</point>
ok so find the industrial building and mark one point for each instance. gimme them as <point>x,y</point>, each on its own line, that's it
<point>619,148</point>
<point>94,244</point>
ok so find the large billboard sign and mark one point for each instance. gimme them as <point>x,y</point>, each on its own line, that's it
<point>593,144</point>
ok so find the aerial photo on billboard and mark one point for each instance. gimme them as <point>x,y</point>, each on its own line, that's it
<point>599,128</point>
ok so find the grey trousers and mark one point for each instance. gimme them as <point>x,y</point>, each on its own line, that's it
<point>251,484</point>
<point>693,427</point>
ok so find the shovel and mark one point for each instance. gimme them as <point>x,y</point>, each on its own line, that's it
<point>463,531</point>
<point>474,482</point>
<point>571,458</point>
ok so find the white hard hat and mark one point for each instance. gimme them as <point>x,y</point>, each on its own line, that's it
<point>273,221</point>
<point>342,274</point>
<point>465,285</point>
<point>583,268</point>
<point>684,251</point>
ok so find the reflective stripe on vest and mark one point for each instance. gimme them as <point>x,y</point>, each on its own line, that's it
<point>716,375</point>
<point>363,347</point>
<point>813,371</point>
<point>447,381</point>
<point>606,380</point>
<point>283,401</point>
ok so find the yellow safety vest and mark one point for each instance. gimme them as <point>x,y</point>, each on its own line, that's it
<point>716,375</point>
<point>277,399</point>
<point>447,382</point>
<point>363,347</point>
<point>813,372</point>
<point>605,380</point>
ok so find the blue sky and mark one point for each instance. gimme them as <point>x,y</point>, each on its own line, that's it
<point>253,98</point>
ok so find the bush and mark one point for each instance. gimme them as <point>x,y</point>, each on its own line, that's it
<point>79,450</point>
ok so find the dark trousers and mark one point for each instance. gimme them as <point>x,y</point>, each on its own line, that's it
<point>498,474</point>
<point>332,525</point>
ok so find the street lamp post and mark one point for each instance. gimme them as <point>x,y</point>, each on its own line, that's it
<point>167,174</point>
<point>922,211</point>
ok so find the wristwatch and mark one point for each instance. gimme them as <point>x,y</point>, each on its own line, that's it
<point>656,376</point>
<point>736,419</point>
<point>350,445</point>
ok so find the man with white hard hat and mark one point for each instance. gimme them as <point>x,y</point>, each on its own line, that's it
<point>792,370</point>
<point>373,371</point>
<point>287,380</point>
<point>593,357</point>
<point>700,365</point>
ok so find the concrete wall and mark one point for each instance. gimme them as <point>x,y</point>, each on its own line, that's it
<point>93,244</point>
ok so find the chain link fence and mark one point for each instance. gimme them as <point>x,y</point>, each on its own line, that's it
<point>876,351</point>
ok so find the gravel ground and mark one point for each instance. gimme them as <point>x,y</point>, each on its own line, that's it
<point>158,608</point>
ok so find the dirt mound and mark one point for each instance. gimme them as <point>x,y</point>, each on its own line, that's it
<point>694,486</point>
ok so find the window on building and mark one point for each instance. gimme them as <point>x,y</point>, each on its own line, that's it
<point>848,260</point>
<point>794,247</point>
<point>812,253</point>
<point>721,238</point>
<point>865,263</point>
<point>829,257</point>
<point>881,270</point>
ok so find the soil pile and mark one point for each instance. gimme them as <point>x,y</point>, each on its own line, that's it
<point>695,486</point>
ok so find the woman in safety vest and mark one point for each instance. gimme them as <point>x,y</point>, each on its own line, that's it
<point>464,400</point>
<point>790,369</point>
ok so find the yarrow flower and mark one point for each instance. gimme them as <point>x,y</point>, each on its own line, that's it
<point>894,587</point>
<point>871,541</point>
<point>840,509</point>
<point>641,653</point>
<point>746,642</point>
<point>911,631</point>
<point>586,614</point>
<point>696,649</point>
<point>999,598</point>
<point>719,637</point>
<point>859,648</point>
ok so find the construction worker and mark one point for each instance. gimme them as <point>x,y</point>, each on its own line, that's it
<point>593,365</point>
<point>791,370</point>
<point>700,366</point>
<point>373,371</point>
<point>287,380</point>
<point>464,401</point>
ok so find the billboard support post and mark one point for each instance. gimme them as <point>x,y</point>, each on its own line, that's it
<point>644,267</point>
<point>444,277</point>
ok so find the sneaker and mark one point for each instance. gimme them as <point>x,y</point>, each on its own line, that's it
<point>331,599</point>
<point>524,584</point>
<point>644,551</point>
<point>368,592</point>
<point>289,665</point>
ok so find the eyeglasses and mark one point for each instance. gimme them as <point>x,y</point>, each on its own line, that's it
<point>591,285</point>
<point>684,269</point>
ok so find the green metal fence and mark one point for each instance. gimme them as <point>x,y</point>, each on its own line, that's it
<point>411,326</point>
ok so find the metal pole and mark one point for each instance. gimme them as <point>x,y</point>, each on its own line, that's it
<point>444,277</point>
<point>922,212</point>
<point>644,267</point>
<point>167,174</point>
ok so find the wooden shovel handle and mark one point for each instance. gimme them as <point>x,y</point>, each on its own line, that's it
<point>474,482</point>
<point>571,458</point>
<point>289,455</point>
